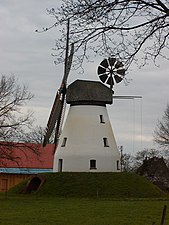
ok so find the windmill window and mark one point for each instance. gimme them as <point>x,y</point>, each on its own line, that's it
<point>60,165</point>
<point>118,165</point>
<point>64,142</point>
<point>92,164</point>
<point>105,142</point>
<point>102,119</point>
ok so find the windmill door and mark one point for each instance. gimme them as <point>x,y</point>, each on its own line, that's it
<point>60,165</point>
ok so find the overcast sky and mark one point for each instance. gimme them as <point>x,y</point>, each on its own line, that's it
<point>27,55</point>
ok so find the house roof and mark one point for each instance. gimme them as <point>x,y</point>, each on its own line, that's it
<point>26,158</point>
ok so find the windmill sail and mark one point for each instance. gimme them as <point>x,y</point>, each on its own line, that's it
<point>54,116</point>
<point>57,109</point>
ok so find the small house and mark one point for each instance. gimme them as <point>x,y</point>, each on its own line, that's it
<point>28,163</point>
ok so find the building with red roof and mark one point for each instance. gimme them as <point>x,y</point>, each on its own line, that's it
<point>27,163</point>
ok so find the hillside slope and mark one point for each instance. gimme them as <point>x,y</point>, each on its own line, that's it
<point>115,185</point>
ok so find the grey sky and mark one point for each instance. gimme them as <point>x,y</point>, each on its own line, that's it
<point>27,55</point>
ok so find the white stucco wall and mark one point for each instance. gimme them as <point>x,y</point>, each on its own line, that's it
<point>84,135</point>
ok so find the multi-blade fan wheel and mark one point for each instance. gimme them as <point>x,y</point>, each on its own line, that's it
<point>111,71</point>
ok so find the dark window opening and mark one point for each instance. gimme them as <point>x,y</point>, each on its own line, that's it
<point>102,119</point>
<point>105,142</point>
<point>64,142</point>
<point>92,164</point>
<point>60,165</point>
<point>118,165</point>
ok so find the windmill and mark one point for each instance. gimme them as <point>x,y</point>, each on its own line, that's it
<point>87,142</point>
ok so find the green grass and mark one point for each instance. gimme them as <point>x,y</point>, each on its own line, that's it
<point>34,210</point>
<point>102,185</point>
<point>86,199</point>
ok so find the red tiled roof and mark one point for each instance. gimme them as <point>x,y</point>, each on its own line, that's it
<point>28,159</point>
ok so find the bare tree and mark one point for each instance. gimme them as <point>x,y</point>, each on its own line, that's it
<point>127,162</point>
<point>130,163</point>
<point>161,132</point>
<point>36,135</point>
<point>14,123</point>
<point>135,30</point>
<point>145,154</point>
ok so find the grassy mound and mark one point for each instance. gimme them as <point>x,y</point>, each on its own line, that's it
<point>115,185</point>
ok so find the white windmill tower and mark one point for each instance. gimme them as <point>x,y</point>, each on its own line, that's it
<point>87,142</point>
